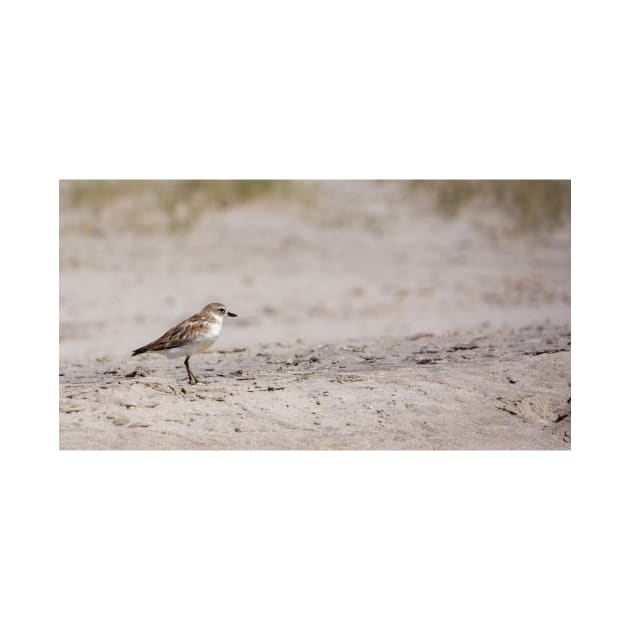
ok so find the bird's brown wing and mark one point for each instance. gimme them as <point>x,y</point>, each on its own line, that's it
<point>177,336</point>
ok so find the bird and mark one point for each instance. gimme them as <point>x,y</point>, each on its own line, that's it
<point>192,336</point>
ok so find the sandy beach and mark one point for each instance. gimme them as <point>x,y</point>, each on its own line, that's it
<point>366,321</point>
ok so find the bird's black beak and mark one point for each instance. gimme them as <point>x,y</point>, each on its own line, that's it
<point>232,314</point>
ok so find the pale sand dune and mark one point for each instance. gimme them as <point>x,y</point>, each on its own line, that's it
<point>299,279</point>
<point>490,391</point>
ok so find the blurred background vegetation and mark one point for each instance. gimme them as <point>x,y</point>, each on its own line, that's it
<point>532,203</point>
<point>217,193</point>
<point>176,205</point>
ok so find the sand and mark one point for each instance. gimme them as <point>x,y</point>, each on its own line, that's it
<point>389,328</point>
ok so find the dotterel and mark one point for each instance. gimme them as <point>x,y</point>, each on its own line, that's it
<point>192,336</point>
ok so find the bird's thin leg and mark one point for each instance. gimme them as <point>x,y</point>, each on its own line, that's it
<point>192,379</point>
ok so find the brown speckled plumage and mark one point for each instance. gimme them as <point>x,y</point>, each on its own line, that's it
<point>193,335</point>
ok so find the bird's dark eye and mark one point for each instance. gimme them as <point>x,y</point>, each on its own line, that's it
<point>223,310</point>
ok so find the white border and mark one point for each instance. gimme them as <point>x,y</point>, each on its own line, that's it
<point>311,540</point>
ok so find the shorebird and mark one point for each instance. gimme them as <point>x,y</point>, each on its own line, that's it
<point>192,336</point>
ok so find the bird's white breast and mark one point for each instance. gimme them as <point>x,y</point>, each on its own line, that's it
<point>199,344</point>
